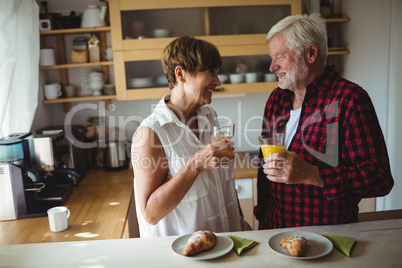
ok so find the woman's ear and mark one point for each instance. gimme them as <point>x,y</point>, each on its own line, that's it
<point>179,73</point>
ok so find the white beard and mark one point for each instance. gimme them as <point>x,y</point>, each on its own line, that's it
<point>295,78</point>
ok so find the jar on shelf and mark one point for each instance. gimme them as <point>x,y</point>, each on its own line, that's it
<point>138,30</point>
<point>93,48</point>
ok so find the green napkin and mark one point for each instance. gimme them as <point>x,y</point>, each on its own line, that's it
<point>343,243</point>
<point>242,244</point>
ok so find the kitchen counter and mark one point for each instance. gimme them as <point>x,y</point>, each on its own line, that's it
<point>378,245</point>
<point>98,205</point>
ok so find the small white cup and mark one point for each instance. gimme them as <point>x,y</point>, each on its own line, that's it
<point>70,91</point>
<point>108,53</point>
<point>236,78</point>
<point>52,91</point>
<point>58,218</point>
<point>46,57</point>
<point>251,77</point>
<point>271,77</point>
<point>96,76</point>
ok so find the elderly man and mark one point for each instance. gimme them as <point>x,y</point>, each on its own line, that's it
<point>335,150</point>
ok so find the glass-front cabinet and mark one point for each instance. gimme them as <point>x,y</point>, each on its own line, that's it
<point>141,29</point>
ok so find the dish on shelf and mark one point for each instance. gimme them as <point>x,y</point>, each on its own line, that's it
<point>162,81</point>
<point>140,82</point>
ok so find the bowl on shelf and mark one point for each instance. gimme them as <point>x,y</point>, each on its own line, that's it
<point>236,78</point>
<point>161,33</point>
<point>162,81</point>
<point>271,77</point>
<point>140,82</point>
<point>109,89</point>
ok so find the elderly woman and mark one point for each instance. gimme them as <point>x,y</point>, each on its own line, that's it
<point>183,182</point>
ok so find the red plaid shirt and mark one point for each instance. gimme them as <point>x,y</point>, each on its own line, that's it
<point>339,132</point>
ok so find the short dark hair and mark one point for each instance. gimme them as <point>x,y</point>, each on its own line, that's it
<point>189,52</point>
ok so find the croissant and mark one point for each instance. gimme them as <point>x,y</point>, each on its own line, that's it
<point>198,242</point>
<point>296,245</point>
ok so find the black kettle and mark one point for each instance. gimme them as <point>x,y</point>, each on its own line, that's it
<point>115,157</point>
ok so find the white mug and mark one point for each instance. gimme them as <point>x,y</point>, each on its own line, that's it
<point>251,77</point>
<point>58,218</point>
<point>52,91</point>
<point>108,53</point>
<point>271,77</point>
<point>236,78</point>
<point>46,57</point>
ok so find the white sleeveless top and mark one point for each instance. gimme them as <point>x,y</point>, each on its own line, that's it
<point>211,203</point>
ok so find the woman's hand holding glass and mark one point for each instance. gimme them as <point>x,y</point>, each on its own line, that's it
<point>216,154</point>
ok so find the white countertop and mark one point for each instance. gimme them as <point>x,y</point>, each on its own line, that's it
<point>378,245</point>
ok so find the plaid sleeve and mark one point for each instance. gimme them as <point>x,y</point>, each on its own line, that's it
<point>364,170</point>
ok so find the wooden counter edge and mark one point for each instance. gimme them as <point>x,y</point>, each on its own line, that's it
<point>380,215</point>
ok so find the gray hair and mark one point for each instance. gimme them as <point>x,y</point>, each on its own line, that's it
<point>300,31</point>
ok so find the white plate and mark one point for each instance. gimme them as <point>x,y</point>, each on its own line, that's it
<point>318,246</point>
<point>222,246</point>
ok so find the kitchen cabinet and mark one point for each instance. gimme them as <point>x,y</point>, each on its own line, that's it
<point>63,66</point>
<point>220,22</point>
<point>247,193</point>
<point>246,170</point>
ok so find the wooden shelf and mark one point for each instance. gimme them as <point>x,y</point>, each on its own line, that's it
<point>337,20</point>
<point>157,93</point>
<point>76,65</point>
<point>76,30</point>
<point>67,101</point>
<point>64,66</point>
<point>338,52</point>
<point>85,98</point>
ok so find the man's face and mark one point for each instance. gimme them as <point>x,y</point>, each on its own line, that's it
<point>290,67</point>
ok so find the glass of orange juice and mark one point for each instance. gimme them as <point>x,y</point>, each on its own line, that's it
<point>271,145</point>
<point>224,130</point>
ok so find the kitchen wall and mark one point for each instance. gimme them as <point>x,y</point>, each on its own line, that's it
<point>374,63</point>
<point>374,38</point>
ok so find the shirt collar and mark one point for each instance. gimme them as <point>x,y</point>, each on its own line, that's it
<point>322,81</point>
<point>164,115</point>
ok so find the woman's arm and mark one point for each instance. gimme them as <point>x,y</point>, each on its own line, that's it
<point>156,198</point>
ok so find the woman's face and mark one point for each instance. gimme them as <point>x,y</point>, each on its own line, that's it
<point>201,84</point>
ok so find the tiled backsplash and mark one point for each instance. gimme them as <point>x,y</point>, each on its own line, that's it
<point>246,110</point>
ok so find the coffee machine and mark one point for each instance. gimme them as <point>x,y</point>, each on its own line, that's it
<point>30,180</point>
